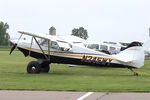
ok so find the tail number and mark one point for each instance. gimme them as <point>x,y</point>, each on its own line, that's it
<point>96,60</point>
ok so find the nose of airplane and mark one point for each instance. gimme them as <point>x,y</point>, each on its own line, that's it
<point>14,45</point>
<point>12,42</point>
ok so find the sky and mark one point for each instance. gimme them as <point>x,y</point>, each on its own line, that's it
<point>105,20</point>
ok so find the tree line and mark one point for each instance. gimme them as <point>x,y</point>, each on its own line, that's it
<point>4,36</point>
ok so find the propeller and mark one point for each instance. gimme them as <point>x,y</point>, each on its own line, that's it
<point>13,48</point>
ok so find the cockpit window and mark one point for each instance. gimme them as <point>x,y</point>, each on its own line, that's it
<point>56,45</point>
<point>52,44</point>
<point>43,42</point>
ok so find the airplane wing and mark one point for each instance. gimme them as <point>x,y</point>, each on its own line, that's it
<point>42,36</point>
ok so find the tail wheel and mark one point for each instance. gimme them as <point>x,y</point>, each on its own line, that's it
<point>45,68</point>
<point>33,67</point>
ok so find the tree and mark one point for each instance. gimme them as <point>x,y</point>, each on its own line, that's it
<point>4,36</point>
<point>80,32</point>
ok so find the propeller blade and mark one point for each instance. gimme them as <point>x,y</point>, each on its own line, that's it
<point>13,48</point>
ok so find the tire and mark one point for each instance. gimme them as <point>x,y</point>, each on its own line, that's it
<point>45,68</point>
<point>33,67</point>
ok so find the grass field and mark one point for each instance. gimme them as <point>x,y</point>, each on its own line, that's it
<point>5,48</point>
<point>13,76</point>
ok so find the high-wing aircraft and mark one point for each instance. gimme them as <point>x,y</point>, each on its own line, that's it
<point>49,49</point>
<point>107,47</point>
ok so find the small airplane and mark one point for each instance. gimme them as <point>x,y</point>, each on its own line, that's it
<point>115,47</point>
<point>107,47</point>
<point>49,49</point>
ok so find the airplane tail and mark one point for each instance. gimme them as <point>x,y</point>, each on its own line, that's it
<point>133,55</point>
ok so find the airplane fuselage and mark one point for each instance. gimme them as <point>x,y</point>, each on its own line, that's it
<point>74,58</point>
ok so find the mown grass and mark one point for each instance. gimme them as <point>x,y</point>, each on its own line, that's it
<point>13,76</point>
<point>5,48</point>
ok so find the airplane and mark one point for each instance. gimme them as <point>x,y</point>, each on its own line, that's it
<point>107,47</point>
<point>49,49</point>
<point>115,47</point>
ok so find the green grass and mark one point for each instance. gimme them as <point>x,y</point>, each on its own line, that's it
<point>5,48</point>
<point>13,76</point>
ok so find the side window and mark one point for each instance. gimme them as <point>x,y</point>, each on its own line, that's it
<point>89,46</point>
<point>93,46</point>
<point>112,48</point>
<point>44,42</point>
<point>96,46</point>
<point>103,47</point>
<point>54,45</point>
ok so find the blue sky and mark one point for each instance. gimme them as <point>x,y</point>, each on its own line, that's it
<point>105,20</point>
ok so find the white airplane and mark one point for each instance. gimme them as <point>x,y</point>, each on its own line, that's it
<point>115,47</point>
<point>110,48</point>
<point>49,49</point>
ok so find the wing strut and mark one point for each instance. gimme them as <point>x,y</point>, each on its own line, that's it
<point>38,36</point>
<point>31,45</point>
<point>40,48</point>
<point>49,49</point>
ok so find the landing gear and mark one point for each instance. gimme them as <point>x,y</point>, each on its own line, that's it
<point>34,67</point>
<point>45,68</point>
<point>134,73</point>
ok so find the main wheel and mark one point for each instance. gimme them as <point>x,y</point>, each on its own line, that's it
<point>45,68</point>
<point>33,67</point>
